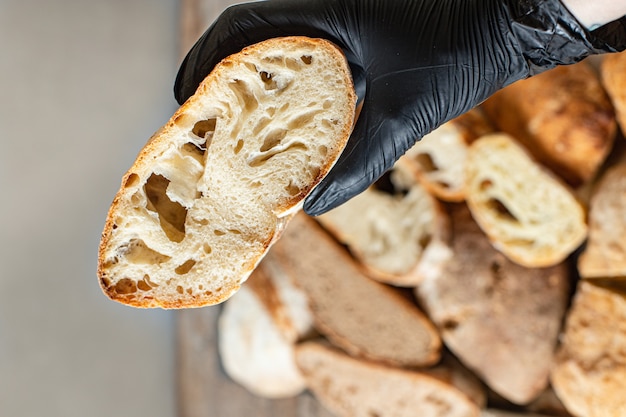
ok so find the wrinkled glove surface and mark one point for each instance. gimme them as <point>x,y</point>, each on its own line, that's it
<point>415,63</point>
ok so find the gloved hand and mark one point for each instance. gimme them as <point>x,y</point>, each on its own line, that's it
<point>416,63</point>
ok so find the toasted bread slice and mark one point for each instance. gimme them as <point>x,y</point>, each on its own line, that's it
<point>214,187</point>
<point>528,213</point>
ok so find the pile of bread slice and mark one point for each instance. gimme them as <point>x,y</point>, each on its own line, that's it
<point>484,275</point>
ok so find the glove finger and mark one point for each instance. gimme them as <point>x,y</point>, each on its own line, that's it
<point>374,146</point>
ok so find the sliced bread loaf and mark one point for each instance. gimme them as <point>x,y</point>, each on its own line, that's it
<point>528,213</point>
<point>213,188</point>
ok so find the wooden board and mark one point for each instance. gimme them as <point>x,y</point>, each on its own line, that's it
<point>203,389</point>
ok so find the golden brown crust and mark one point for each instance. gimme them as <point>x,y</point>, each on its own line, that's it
<point>563,117</point>
<point>613,75</point>
<point>437,160</point>
<point>605,252</point>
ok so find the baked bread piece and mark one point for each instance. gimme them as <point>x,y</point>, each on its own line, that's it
<point>253,347</point>
<point>605,253</point>
<point>351,387</point>
<point>590,368</point>
<point>613,76</point>
<point>562,116</point>
<point>438,159</point>
<point>362,316</point>
<point>501,413</point>
<point>527,213</point>
<point>500,319</point>
<point>214,187</point>
<point>398,235</point>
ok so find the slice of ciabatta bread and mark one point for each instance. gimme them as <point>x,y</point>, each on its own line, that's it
<point>214,187</point>
<point>352,387</point>
<point>528,213</point>
<point>500,319</point>
<point>605,252</point>
<point>438,159</point>
<point>399,235</point>
<point>362,316</point>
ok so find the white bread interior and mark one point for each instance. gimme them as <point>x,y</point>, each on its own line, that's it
<point>528,213</point>
<point>214,187</point>
<point>398,236</point>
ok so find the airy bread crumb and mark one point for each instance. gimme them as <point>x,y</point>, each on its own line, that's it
<point>214,187</point>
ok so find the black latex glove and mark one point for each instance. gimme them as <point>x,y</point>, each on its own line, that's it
<point>416,63</point>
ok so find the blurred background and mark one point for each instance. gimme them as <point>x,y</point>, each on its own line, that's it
<point>84,85</point>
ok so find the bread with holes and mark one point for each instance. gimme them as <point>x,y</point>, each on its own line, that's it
<point>562,116</point>
<point>349,387</point>
<point>501,320</point>
<point>528,213</point>
<point>438,159</point>
<point>590,367</point>
<point>604,255</point>
<point>397,230</point>
<point>360,315</point>
<point>213,188</point>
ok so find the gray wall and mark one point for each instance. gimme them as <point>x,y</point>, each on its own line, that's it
<point>83,85</point>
